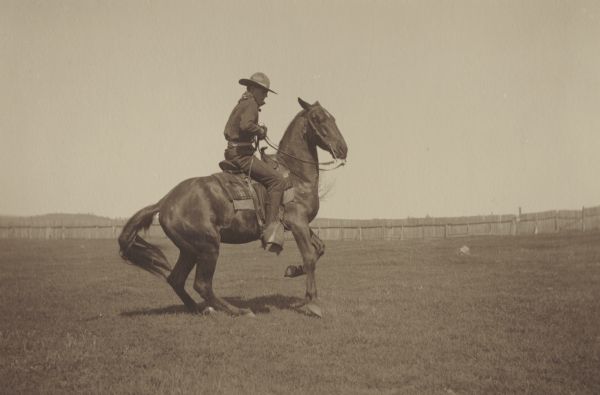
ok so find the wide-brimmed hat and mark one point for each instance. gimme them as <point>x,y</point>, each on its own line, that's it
<point>258,79</point>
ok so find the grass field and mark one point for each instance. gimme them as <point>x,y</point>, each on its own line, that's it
<point>519,315</point>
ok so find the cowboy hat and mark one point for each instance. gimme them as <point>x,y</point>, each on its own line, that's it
<point>258,79</point>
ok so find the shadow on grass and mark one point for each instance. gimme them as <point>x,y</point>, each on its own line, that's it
<point>259,305</point>
<point>262,304</point>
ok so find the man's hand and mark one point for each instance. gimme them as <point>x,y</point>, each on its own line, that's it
<point>263,132</point>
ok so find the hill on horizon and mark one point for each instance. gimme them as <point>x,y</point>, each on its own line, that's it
<point>58,219</point>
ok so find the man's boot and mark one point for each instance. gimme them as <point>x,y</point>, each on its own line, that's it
<point>273,235</point>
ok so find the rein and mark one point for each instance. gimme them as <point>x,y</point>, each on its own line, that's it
<point>316,130</point>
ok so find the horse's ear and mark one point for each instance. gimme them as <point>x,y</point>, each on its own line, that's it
<point>303,104</point>
<point>317,103</point>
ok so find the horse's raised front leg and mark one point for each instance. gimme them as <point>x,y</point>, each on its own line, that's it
<point>317,243</point>
<point>296,271</point>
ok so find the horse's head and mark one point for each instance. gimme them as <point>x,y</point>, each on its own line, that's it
<point>324,131</point>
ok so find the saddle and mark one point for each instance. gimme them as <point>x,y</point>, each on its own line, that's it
<point>247,194</point>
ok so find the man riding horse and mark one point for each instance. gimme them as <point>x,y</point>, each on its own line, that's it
<point>198,214</point>
<point>241,132</point>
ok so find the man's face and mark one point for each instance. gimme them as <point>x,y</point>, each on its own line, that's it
<point>260,94</point>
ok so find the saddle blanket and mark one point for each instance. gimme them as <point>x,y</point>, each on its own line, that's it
<point>246,197</point>
<point>238,189</point>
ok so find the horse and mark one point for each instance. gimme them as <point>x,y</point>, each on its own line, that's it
<point>197,215</point>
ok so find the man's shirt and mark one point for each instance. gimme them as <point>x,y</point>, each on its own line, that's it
<point>242,124</point>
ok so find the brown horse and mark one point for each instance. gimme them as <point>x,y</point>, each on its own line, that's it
<point>197,215</point>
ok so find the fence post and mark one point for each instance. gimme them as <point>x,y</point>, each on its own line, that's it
<point>556,221</point>
<point>445,231</point>
<point>360,233</point>
<point>583,219</point>
<point>401,232</point>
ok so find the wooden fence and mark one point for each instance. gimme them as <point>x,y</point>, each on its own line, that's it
<point>428,228</point>
<point>333,229</point>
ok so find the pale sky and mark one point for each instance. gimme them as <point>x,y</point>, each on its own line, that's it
<point>448,107</point>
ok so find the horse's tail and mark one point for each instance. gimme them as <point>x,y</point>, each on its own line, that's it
<point>137,250</point>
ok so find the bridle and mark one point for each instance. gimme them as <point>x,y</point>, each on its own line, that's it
<point>337,162</point>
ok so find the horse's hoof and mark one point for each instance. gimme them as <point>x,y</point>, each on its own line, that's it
<point>294,271</point>
<point>314,309</point>
<point>245,313</point>
<point>298,305</point>
<point>209,311</point>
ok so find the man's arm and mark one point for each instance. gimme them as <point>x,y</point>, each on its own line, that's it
<point>249,119</point>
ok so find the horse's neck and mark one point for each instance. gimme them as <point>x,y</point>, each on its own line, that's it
<point>304,172</point>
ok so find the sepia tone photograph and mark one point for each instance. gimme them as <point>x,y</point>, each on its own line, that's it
<point>299,197</point>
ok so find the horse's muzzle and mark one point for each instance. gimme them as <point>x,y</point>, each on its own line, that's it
<point>340,152</point>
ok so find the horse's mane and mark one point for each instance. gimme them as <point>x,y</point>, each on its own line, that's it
<point>293,122</point>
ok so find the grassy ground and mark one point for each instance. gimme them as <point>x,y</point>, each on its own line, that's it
<point>519,315</point>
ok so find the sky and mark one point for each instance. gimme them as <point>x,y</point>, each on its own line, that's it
<point>449,108</point>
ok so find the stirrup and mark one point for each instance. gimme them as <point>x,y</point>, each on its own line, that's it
<point>275,248</point>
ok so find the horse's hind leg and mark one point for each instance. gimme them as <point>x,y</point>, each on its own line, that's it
<point>206,264</point>
<point>183,267</point>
